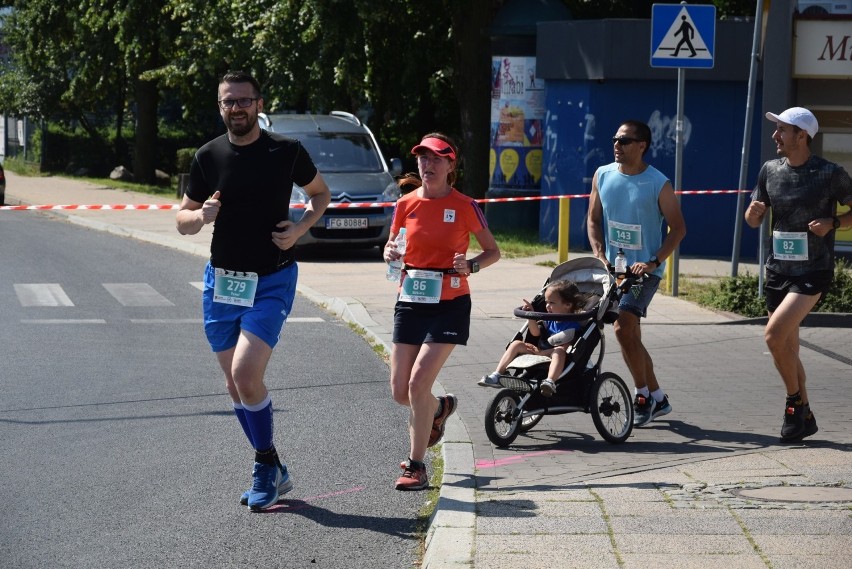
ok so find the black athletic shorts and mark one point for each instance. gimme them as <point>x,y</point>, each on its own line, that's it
<point>778,286</point>
<point>447,322</point>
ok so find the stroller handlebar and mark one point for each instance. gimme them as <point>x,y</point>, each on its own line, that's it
<point>554,316</point>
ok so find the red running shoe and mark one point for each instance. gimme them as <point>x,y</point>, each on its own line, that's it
<point>413,477</point>
<point>439,424</point>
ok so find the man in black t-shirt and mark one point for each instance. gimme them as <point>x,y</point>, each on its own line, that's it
<point>242,181</point>
<point>802,190</point>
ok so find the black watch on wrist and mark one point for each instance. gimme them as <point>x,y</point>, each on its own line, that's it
<point>654,260</point>
<point>474,266</point>
<point>836,222</point>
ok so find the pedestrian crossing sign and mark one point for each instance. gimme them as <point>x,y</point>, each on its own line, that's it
<point>683,35</point>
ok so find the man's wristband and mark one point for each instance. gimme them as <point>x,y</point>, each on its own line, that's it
<point>836,222</point>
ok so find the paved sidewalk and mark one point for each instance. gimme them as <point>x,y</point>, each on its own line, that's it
<point>707,485</point>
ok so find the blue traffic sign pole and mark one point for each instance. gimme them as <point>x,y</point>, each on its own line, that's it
<point>671,32</point>
<point>681,83</point>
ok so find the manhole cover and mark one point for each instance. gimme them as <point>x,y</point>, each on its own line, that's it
<point>796,494</point>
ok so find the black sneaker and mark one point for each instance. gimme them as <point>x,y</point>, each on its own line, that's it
<point>810,426</point>
<point>810,422</point>
<point>643,410</point>
<point>793,427</point>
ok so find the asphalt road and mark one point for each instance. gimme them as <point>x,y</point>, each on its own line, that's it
<point>119,447</point>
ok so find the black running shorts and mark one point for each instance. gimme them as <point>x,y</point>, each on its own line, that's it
<point>447,322</point>
<point>778,286</point>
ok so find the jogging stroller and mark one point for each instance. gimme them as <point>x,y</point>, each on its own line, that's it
<point>520,404</point>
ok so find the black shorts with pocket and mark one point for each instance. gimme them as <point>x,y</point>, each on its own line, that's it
<point>447,322</point>
<point>778,286</point>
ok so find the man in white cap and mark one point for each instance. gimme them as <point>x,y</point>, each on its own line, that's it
<point>803,191</point>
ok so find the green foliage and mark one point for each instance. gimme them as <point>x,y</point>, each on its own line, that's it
<point>740,294</point>
<point>735,294</point>
<point>839,298</point>
<point>183,159</point>
<point>71,149</point>
<point>405,67</point>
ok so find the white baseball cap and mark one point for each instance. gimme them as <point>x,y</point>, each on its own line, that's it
<point>797,116</point>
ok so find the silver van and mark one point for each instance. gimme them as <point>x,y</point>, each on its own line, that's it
<point>348,157</point>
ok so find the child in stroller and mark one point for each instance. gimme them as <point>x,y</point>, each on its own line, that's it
<point>560,297</point>
<point>582,385</point>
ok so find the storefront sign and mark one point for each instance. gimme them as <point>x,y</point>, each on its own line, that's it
<point>823,49</point>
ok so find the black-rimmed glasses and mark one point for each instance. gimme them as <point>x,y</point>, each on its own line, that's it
<point>624,140</point>
<point>244,102</point>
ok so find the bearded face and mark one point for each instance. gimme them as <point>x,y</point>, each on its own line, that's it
<point>239,106</point>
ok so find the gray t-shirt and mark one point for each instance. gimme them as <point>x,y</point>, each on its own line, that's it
<point>797,196</point>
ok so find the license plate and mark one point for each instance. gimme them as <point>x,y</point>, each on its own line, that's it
<point>346,223</point>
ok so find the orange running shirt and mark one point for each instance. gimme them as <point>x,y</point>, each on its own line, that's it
<point>437,229</point>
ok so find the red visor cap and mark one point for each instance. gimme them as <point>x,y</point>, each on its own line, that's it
<point>437,146</point>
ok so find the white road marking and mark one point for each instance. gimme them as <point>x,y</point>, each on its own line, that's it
<point>47,294</point>
<point>137,294</point>
<point>64,321</point>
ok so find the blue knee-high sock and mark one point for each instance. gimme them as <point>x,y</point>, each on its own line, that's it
<point>240,412</point>
<point>259,419</point>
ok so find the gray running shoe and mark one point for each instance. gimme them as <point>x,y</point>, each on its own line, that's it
<point>490,380</point>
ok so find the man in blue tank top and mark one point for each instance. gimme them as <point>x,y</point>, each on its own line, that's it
<point>629,202</point>
<point>802,190</point>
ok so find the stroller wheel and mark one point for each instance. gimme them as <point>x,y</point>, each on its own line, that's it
<point>527,423</point>
<point>503,418</point>
<point>611,407</point>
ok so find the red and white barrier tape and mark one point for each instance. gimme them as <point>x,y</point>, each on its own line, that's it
<point>138,207</point>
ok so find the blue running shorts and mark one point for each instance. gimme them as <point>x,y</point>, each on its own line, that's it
<point>273,302</point>
<point>638,297</point>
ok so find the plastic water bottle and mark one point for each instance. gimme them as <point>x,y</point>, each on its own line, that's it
<point>620,263</point>
<point>395,267</point>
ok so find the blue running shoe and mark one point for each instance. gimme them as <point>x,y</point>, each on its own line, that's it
<point>285,486</point>
<point>661,408</point>
<point>269,480</point>
<point>643,409</point>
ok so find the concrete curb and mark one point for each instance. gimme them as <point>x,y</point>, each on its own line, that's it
<point>812,320</point>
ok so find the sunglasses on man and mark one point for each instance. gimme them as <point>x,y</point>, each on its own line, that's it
<point>624,140</point>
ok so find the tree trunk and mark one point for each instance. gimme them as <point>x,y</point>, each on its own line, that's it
<point>473,74</point>
<point>145,147</point>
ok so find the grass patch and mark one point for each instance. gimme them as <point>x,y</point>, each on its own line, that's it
<point>19,166</point>
<point>436,461</point>
<point>130,186</point>
<point>378,348</point>
<point>31,169</point>
<point>517,244</point>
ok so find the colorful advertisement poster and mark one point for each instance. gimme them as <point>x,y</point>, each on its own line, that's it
<point>517,116</point>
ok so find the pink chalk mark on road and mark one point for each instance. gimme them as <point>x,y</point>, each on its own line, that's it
<point>515,459</point>
<point>288,505</point>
